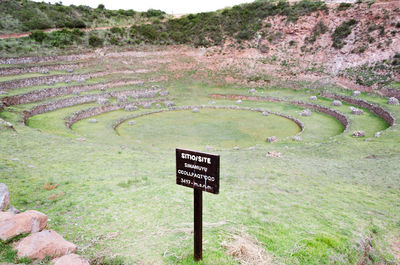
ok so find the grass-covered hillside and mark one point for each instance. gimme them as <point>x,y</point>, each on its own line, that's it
<point>23,15</point>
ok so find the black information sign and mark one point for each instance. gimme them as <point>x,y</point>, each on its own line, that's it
<point>197,170</point>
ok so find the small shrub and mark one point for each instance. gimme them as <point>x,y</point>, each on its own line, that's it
<point>343,6</point>
<point>153,13</point>
<point>38,35</point>
<point>398,25</point>
<point>341,32</point>
<point>95,41</point>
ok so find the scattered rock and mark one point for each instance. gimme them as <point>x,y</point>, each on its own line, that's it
<point>356,111</point>
<point>132,122</point>
<point>305,113</point>
<point>6,125</point>
<point>13,210</point>
<point>130,108</point>
<point>77,93</point>
<point>147,105</point>
<point>163,93</point>
<point>46,243</point>
<point>271,139</point>
<point>239,101</point>
<point>313,98</point>
<point>103,101</point>
<point>168,104</point>
<point>81,80</point>
<point>27,222</point>
<point>393,101</point>
<point>102,89</point>
<point>122,99</point>
<point>158,106</point>
<point>3,92</point>
<point>296,138</point>
<point>92,120</point>
<point>71,259</point>
<point>265,113</point>
<point>356,93</point>
<point>44,71</point>
<point>195,110</point>
<point>273,154</point>
<point>69,70</point>
<point>4,196</point>
<point>359,134</point>
<point>378,134</point>
<point>50,83</point>
<point>252,91</point>
<point>336,103</point>
<point>236,148</point>
<point>5,216</point>
<point>212,102</point>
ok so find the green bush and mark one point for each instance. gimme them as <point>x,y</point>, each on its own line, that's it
<point>95,41</point>
<point>343,6</point>
<point>153,13</point>
<point>38,35</point>
<point>75,23</point>
<point>341,32</point>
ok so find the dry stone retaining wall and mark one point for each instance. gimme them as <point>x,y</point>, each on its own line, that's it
<point>38,95</point>
<point>68,102</point>
<point>34,81</point>
<point>37,69</point>
<point>41,59</point>
<point>331,112</point>
<point>90,112</point>
<point>377,110</point>
<point>298,122</point>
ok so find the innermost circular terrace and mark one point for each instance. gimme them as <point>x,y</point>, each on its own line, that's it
<point>213,127</point>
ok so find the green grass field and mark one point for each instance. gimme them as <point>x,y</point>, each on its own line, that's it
<point>330,199</point>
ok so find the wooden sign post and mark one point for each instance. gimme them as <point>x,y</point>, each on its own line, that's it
<point>199,171</point>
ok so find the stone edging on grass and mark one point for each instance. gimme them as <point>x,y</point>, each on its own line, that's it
<point>377,110</point>
<point>38,95</point>
<point>331,112</point>
<point>6,71</point>
<point>298,122</point>
<point>68,102</point>
<point>93,111</point>
<point>40,59</point>
<point>40,80</point>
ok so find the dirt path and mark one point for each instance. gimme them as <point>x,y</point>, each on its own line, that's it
<point>26,34</point>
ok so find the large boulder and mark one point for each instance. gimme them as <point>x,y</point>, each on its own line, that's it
<point>46,243</point>
<point>71,259</point>
<point>359,134</point>
<point>393,101</point>
<point>4,196</point>
<point>27,222</point>
<point>305,113</point>
<point>336,103</point>
<point>5,216</point>
<point>271,139</point>
<point>356,111</point>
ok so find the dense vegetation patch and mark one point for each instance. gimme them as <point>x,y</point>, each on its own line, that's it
<point>23,15</point>
<point>240,23</point>
<point>380,73</point>
<point>341,32</point>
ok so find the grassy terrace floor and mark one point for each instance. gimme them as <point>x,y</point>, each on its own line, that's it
<point>323,202</point>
